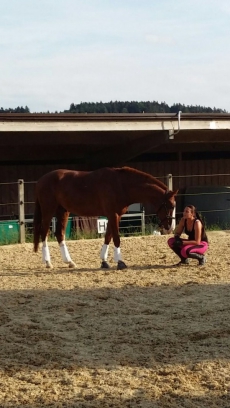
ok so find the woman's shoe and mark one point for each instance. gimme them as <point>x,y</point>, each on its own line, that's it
<point>201,258</point>
<point>183,261</point>
<point>202,261</point>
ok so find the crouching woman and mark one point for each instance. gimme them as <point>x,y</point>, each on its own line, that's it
<point>196,244</point>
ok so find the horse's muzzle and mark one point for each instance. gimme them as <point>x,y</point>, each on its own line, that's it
<point>167,231</point>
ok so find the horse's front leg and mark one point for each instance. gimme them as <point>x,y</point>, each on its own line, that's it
<point>117,251</point>
<point>114,226</point>
<point>105,247</point>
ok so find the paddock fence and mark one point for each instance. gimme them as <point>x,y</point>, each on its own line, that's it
<point>16,215</point>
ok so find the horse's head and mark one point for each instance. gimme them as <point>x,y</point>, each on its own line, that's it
<point>165,211</point>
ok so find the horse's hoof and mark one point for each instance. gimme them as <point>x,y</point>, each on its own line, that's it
<point>72,265</point>
<point>49,265</point>
<point>104,265</point>
<point>121,265</point>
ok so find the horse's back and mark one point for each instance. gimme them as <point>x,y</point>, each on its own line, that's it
<point>59,174</point>
<point>79,192</point>
<point>100,192</point>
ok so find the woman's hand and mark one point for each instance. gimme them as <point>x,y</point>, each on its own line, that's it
<point>178,243</point>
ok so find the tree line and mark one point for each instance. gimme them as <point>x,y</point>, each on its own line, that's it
<point>125,107</point>
<point>138,107</point>
<point>19,109</point>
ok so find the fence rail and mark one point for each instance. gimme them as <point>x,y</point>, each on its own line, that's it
<point>21,221</point>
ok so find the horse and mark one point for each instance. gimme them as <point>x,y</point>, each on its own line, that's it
<point>104,192</point>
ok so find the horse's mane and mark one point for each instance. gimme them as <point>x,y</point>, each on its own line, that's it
<point>142,174</point>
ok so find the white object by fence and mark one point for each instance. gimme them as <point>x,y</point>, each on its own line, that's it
<point>102,225</point>
<point>102,222</point>
<point>138,216</point>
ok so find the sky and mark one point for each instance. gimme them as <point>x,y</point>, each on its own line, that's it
<point>57,52</point>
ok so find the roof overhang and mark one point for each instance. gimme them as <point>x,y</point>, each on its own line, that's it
<point>108,139</point>
<point>112,122</point>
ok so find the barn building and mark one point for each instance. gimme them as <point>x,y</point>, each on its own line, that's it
<point>194,148</point>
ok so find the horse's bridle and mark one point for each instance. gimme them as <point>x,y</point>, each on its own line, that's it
<point>167,211</point>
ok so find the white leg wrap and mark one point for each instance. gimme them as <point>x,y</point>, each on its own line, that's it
<point>117,254</point>
<point>104,252</point>
<point>45,252</point>
<point>64,252</point>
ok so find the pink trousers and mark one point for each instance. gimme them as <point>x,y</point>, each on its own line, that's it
<point>186,249</point>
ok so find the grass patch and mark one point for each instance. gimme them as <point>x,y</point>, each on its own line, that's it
<point>7,239</point>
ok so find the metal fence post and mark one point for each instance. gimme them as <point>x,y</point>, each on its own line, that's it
<point>170,187</point>
<point>21,211</point>
<point>143,222</point>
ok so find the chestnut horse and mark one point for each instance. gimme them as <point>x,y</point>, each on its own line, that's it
<point>105,192</point>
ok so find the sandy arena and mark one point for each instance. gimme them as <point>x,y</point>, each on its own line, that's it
<point>150,336</point>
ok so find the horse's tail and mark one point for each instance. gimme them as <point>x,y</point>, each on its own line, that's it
<point>37,224</point>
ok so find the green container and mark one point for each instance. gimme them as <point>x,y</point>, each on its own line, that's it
<point>9,232</point>
<point>69,228</point>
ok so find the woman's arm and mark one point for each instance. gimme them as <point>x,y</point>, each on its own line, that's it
<point>179,228</point>
<point>198,230</point>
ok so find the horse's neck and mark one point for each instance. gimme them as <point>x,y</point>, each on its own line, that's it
<point>146,192</point>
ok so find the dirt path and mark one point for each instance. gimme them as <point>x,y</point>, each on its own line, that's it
<point>150,336</point>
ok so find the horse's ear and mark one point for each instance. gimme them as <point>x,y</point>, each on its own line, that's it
<point>175,192</point>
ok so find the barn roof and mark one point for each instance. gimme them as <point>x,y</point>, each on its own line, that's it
<point>109,139</point>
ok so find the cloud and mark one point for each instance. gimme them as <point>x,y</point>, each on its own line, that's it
<point>156,39</point>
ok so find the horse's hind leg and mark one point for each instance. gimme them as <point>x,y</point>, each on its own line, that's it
<point>62,220</point>
<point>46,220</point>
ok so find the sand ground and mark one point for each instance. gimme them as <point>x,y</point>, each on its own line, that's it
<point>150,336</point>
